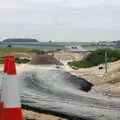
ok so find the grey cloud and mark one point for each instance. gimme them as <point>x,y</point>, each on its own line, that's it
<point>60,19</point>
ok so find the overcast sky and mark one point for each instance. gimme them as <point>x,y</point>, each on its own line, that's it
<point>60,20</point>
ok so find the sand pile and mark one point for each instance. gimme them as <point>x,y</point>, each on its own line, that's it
<point>44,59</point>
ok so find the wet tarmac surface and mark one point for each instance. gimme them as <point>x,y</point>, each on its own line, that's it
<point>60,92</point>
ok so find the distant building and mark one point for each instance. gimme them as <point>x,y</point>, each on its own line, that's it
<point>39,52</point>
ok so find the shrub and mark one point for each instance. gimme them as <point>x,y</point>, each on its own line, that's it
<point>96,57</point>
<point>19,60</point>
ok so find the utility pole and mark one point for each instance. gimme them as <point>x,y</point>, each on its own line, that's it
<point>106,59</point>
<point>52,52</point>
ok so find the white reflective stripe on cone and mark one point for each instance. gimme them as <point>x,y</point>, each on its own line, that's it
<point>3,87</point>
<point>11,95</point>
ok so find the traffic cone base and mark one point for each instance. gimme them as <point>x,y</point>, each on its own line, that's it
<point>12,114</point>
<point>1,110</point>
<point>1,105</point>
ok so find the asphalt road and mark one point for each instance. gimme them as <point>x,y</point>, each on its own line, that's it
<point>55,90</point>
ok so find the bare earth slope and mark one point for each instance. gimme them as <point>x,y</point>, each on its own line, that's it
<point>107,83</point>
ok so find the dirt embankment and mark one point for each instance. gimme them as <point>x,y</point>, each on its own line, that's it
<point>107,83</point>
<point>66,56</point>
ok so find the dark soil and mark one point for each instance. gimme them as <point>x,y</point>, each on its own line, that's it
<point>44,59</point>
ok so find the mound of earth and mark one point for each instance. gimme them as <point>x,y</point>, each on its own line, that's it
<point>44,59</point>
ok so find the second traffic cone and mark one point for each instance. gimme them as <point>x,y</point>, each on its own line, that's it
<point>12,107</point>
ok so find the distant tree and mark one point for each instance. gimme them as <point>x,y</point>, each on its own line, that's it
<point>118,44</point>
<point>50,41</point>
<point>10,46</point>
<point>20,40</point>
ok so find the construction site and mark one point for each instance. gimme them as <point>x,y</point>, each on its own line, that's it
<point>51,90</point>
<point>59,59</point>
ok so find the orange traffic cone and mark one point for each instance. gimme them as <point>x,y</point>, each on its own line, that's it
<point>12,106</point>
<point>5,74</point>
<point>3,87</point>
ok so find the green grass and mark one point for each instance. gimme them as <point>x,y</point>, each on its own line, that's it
<point>10,51</point>
<point>95,58</point>
<point>39,44</point>
<point>20,49</point>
